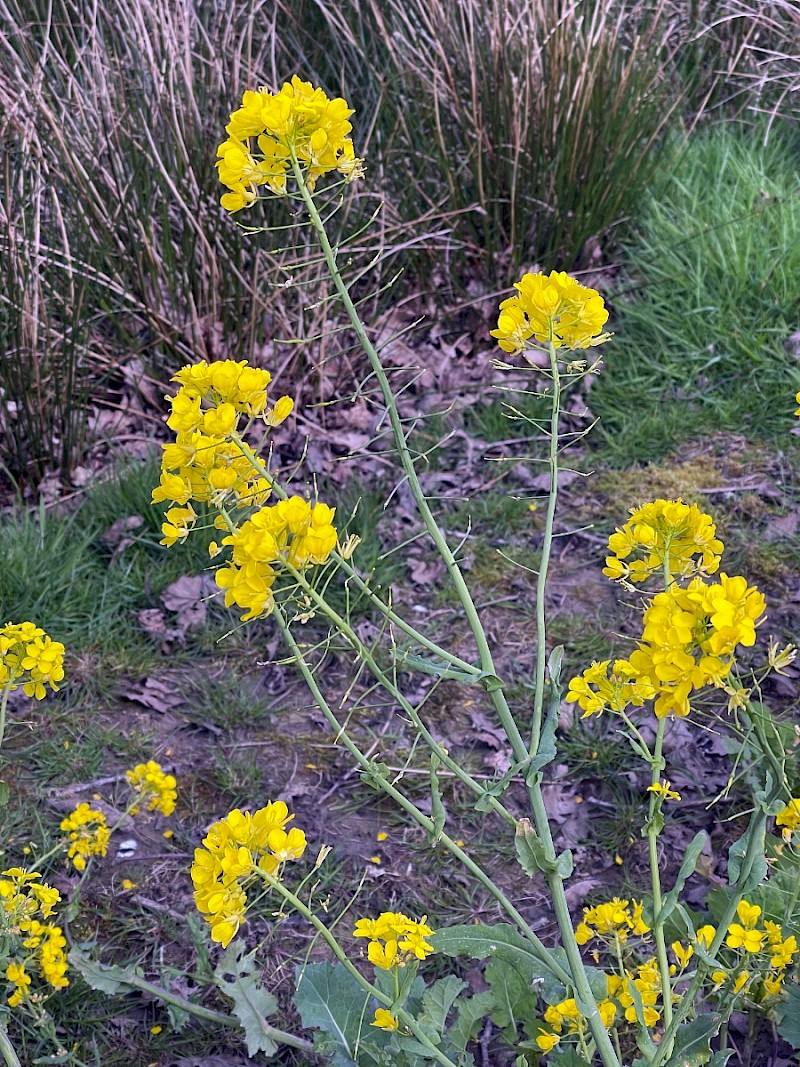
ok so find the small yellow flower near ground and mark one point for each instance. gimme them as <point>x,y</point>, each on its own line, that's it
<point>88,835</point>
<point>606,687</point>
<point>156,1029</point>
<point>395,939</point>
<point>382,836</point>
<point>740,937</point>
<point>384,1019</point>
<point>154,787</point>
<point>663,790</point>
<point>682,955</point>
<point>547,1042</point>
<point>235,852</point>
<point>789,819</point>
<point>30,659</point>
<point>614,919</point>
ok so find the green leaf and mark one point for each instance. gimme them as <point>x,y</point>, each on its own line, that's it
<point>330,999</point>
<point>788,1012</point>
<point>692,1046</point>
<point>535,856</point>
<point>515,1000</point>
<point>437,667</point>
<point>569,1057</point>
<point>503,941</point>
<point>377,773</point>
<point>719,1059</point>
<point>236,975</point>
<point>546,751</point>
<point>491,683</point>
<point>470,1013</point>
<point>754,833</point>
<point>499,786</point>
<point>690,857</point>
<point>103,977</point>
<point>438,999</point>
<point>554,666</point>
<point>4,794</point>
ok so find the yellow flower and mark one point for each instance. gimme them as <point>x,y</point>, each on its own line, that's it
<point>662,789</point>
<point>29,659</point>
<point>293,531</point>
<point>664,532</point>
<point>384,1019</point>
<point>608,1012</point>
<point>740,937</point>
<point>153,786</point>
<point>682,955</point>
<point>613,919</point>
<point>297,123</point>
<point>404,939</point>
<point>234,851</point>
<point>88,835</point>
<point>553,309</point>
<point>547,1042</point>
<point>705,935</point>
<point>784,953</point>
<point>598,690</point>
<point>690,636</point>
<point>789,819</point>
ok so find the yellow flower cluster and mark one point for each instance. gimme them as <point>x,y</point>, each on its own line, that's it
<point>297,124</point>
<point>208,462</point>
<point>664,535</point>
<point>29,658</point>
<point>646,987</point>
<point>26,900</point>
<point>551,308</point>
<point>612,921</point>
<point>153,786</point>
<point>690,636</point>
<point>88,835</point>
<point>394,939</point>
<point>766,951</point>
<point>789,819</point>
<point>566,1018</point>
<point>292,531</point>
<point>598,690</point>
<point>235,851</point>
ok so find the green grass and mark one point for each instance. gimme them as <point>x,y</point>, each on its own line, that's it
<point>710,296</point>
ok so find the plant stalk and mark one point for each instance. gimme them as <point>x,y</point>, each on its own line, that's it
<point>427,824</point>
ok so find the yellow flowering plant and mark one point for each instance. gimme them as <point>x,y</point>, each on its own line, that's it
<point>621,977</point>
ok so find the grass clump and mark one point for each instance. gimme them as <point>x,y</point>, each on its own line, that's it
<point>712,276</point>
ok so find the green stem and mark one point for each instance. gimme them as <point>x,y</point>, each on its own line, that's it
<point>364,654</point>
<point>3,709</point>
<point>541,580</point>
<point>363,586</point>
<point>7,1049</point>
<point>467,603</point>
<point>279,1036</point>
<point>518,746</point>
<point>372,990</point>
<point>656,767</point>
<point>427,824</point>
